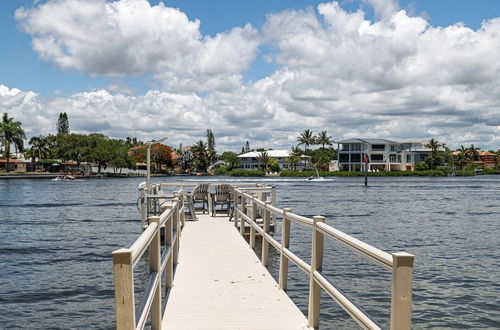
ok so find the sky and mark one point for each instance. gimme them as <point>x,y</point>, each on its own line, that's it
<point>258,71</point>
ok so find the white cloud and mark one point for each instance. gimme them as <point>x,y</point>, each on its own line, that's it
<point>396,77</point>
<point>132,37</point>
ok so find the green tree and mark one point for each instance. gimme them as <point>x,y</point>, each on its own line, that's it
<point>324,139</point>
<point>462,158</point>
<point>120,157</point>
<point>62,124</point>
<point>473,153</point>
<point>39,146</point>
<point>211,153</point>
<point>322,157</point>
<point>199,151</point>
<point>11,133</point>
<point>231,159</point>
<point>294,157</point>
<point>306,138</point>
<point>101,152</point>
<point>76,147</point>
<point>263,158</point>
<point>434,156</point>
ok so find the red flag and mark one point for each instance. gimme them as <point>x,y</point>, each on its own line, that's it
<point>365,159</point>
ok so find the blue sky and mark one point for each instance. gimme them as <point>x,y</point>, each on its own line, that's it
<point>292,67</point>
<point>20,67</point>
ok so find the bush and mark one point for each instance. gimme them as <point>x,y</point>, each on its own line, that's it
<point>437,172</point>
<point>251,173</point>
<point>223,170</point>
<point>421,166</point>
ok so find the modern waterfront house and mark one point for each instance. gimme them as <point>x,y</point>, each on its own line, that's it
<point>250,161</point>
<point>382,154</point>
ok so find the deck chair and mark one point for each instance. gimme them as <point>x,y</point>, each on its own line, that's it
<point>221,197</point>
<point>200,195</point>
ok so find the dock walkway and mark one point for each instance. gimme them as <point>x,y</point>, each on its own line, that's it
<point>221,284</point>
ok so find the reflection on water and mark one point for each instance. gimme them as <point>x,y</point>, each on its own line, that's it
<point>57,238</point>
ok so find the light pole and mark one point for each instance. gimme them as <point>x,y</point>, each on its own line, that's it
<point>148,160</point>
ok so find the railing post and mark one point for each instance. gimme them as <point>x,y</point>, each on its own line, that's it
<point>236,213</point>
<point>175,219</point>
<point>143,209</point>
<point>169,271</point>
<point>265,243</point>
<point>235,204</point>
<point>253,222</point>
<point>273,201</point>
<point>285,243</point>
<point>242,219</point>
<point>402,278</point>
<point>181,206</point>
<point>155,266</point>
<point>123,271</point>
<point>316,265</point>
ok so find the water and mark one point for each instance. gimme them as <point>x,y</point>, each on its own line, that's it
<point>57,239</point>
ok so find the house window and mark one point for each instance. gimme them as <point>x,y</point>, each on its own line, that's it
<point>378,147</point>
<point>355,158</point>
<point>393,147</point>
<point>345,147</point>
<point>377,158</point>
<point>356,147</point>
<point>344,158</point>
<point>408,158</point>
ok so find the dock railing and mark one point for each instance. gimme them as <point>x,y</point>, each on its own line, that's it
<point>400,264</point>
<point>162,258</point>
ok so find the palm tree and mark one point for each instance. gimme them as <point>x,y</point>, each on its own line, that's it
<point>11,133</point>
<point>306,138</point>
<point>462,158</point>
<point>473,153</point>
<point>263,158</point>
<point>39,145</point>
<point>434,156</point>
<point>324,139</point>
<point>199,151</point>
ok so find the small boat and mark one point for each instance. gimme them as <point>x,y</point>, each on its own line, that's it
<point>64,178</point>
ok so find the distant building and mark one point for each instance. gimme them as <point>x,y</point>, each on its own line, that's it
<point>486,158</point>
<point>250,161</point>
<point>382,154</point>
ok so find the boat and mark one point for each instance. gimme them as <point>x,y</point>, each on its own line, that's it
<point>64,178</point>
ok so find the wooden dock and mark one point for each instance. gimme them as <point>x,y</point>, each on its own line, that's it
<point>215,281</point>
<point>221,284</point>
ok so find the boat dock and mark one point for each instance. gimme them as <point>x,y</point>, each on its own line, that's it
<point>229,291</point>
<point>204,273</point>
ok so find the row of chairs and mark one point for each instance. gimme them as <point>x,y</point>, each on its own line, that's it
<point>221,196</point>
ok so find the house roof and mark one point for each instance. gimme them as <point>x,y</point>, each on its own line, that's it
<point>369,141</point>
<point>271,153</point>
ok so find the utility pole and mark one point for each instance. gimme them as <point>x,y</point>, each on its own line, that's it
<point>366,161</point>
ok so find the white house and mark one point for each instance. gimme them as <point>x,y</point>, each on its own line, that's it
<point>383,155</point>
<point>250,161</point>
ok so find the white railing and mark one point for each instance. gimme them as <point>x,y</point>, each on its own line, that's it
<point>401,263</point>
<point>161,263</point>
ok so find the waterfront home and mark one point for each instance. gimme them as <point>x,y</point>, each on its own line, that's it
<point>250,160</point>
<point>382,154</point>
<point>485,158</point>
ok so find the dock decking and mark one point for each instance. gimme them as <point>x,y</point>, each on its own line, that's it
<point>219,281</point>
<point>221,284</point>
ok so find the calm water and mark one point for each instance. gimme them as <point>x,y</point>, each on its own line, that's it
<point>57,237</point>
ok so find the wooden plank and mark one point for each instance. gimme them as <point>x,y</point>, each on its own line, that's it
<point>221,284</point>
